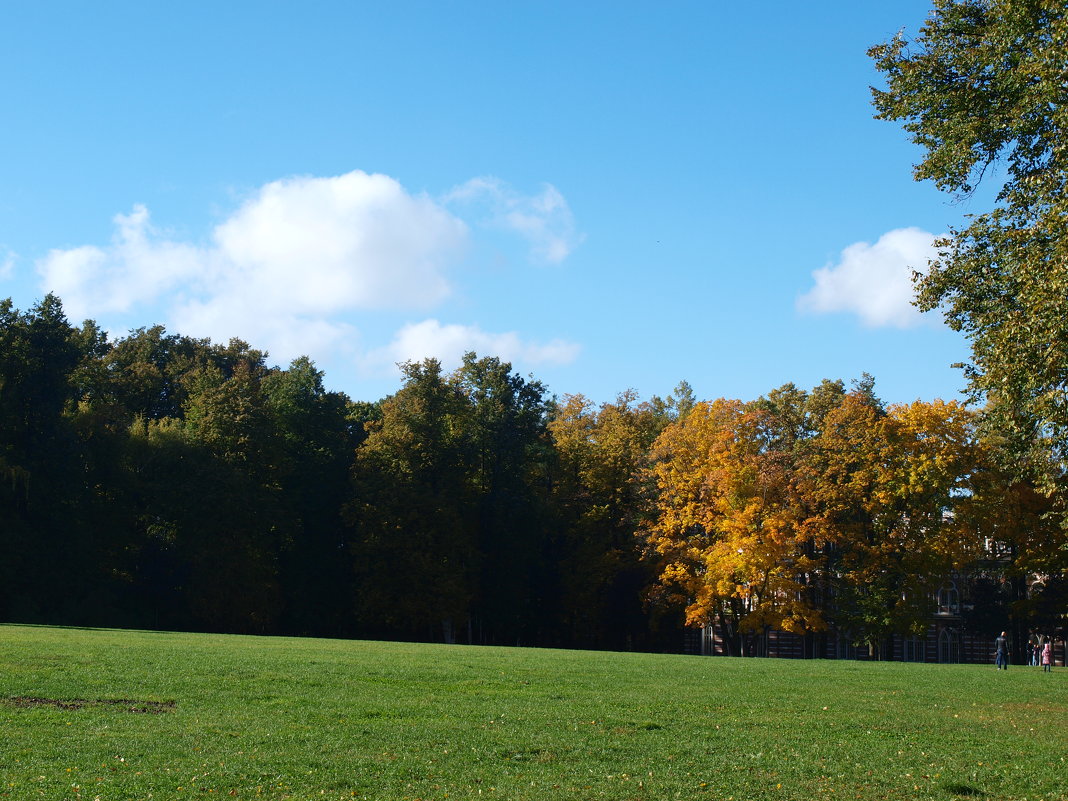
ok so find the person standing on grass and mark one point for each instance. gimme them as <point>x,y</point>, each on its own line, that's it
<point>1047,655</point>
<point>1001,652</point>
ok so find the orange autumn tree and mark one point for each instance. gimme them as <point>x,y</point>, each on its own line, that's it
<point>799,511</point>
<point>726,524</point>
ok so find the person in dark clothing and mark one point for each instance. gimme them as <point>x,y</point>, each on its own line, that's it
<point>1001,652</point>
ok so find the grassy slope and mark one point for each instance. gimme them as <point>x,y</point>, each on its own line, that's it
<point>292,718</point>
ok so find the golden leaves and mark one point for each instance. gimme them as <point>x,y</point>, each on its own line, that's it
<point>756,521</point>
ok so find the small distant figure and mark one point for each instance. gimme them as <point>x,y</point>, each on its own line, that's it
<point>1001,652</point>
<point>1036,649</point>
<point>1047,656</point>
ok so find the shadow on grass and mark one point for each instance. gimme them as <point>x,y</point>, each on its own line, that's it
<point>963,789</point>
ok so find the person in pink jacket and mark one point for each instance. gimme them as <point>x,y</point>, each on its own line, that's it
<point>1047,656</point>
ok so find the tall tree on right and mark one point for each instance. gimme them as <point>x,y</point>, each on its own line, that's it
<point>983,89</point>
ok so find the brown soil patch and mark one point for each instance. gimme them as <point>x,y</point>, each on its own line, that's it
<point>127,704</point>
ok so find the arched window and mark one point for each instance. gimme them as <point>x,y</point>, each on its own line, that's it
<point>948,600</point>
<point>948,646</point>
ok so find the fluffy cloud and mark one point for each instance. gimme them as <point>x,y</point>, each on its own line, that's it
<point>354,241</point>
<point>297,252</point>
<point>543,220</point>
<point>286,269</point>
<point>448,344</point>
<point>139,265</point>
<point>306,244</point>
<point>874,281</point>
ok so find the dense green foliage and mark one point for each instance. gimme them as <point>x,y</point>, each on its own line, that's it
<point>303,718</point>
<point>165,482</point>
<point>983,90</point>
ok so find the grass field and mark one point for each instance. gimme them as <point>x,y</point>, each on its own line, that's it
<point>90,714</point>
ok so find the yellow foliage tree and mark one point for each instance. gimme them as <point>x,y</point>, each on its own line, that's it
<point>881,487</point>
<point>768,516</point>
<point>727,525</point>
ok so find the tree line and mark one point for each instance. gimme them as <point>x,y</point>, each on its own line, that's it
<point>163,481</point>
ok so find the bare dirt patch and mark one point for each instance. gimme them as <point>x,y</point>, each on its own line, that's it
<point>126,704</point>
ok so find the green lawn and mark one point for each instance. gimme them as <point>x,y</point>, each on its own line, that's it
<point>246,717</point>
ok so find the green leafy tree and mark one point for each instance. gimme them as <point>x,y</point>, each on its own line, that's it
<point>141,374</point>
<point>50,561</point>
<point>504,424</point>
<point>314,449</point>
<point>601,500</point>
<point>1019,560</point>
<point>412,512</point>
<point>983,89</point>
<point>231,535</point>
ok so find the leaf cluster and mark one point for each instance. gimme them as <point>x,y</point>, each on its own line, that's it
<point>983,89</point>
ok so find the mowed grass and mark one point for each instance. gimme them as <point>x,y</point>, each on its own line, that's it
<point>280,718</point>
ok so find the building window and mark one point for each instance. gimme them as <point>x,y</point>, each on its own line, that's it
<point>948,646</point>
<point>948,600</point>
<point>915,650</point>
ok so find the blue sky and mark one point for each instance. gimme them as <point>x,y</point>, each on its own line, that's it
<point>608,195</point>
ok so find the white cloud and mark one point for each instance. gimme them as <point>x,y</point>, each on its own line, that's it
<point>354,241</point>
<point>448,344</point>
<point>285,270</point>
<point>138,266</point>
<point>7,264</point>
<point>874,281</point>
<point>297,252</point>
<point>543,220</point>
